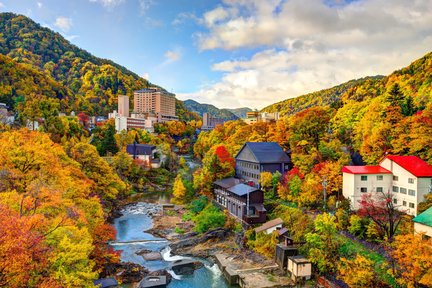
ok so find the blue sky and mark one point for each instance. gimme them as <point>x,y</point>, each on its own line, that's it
<point>234,53</point>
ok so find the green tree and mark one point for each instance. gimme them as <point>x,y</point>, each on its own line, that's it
<point>322,244</point>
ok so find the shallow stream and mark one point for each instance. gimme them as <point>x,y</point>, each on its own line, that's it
<point>131,237</point>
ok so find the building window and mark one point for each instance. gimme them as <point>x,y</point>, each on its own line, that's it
<point>403,203</point>
<point>395,189</point>
<point>411,205</point>
<point>403,190</point>
<point>380,177</point>
<point>363,178</point>
<point>394,200</point>
<point>379,189</point>
<point>363,189</point>
<point>395,178</point>
<point>411,180</point>
<point>411,192</point>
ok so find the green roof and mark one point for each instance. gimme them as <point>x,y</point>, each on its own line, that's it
<point>424,218</point>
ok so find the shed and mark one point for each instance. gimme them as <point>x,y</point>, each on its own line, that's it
<point>299,267</point>
<point>270,226</point>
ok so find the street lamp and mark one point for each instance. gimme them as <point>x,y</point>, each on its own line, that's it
<point>324,184</point>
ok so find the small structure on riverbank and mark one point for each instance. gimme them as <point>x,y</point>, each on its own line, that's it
<point>270,226</point>
<point>300,268</point>
<point>153,282</point>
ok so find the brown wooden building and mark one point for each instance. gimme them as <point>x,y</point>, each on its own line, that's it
<point>242,201</point>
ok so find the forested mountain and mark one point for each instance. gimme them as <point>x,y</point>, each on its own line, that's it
<point>331,96</point>
<point>42,62</point>
<point>239,112</point>
<point>207,108</point>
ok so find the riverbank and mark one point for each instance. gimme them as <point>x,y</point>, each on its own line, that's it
<point>253,269</point>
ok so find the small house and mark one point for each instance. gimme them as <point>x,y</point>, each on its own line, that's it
<point>270,226</point>
<point>145,153</point>
<point>300,268</point>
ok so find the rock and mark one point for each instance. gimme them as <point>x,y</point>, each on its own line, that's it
<point>219,233</point>
<point>185,267</point>
<point>152,256</point>
<point>130,272</point>
<point>162,273</point>
<point>143,251</point>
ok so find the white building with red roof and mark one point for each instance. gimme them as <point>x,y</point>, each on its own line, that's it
<point>408,178</point>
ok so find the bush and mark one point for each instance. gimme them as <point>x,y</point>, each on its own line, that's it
<point>179,230</point>
<point>197,205</point>
<point>358,226</point>
<point>210,217</point>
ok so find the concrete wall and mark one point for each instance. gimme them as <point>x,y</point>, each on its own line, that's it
<point>352,186</point>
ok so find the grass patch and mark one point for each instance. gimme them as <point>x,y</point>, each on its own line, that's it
<point>350,248</point>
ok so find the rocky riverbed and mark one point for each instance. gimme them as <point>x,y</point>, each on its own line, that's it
<point>134,241</point>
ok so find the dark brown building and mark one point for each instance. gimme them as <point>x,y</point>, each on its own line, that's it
<point>256,157</point>
<point>242,201</point>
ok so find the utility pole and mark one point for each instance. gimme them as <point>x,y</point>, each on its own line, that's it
<point>324,184</point>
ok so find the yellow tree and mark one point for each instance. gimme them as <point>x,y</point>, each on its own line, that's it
<point>413,256</point>
<point>179,190</point>
<point>358,272</point>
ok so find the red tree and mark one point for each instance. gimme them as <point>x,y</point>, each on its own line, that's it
<point>380,208</point>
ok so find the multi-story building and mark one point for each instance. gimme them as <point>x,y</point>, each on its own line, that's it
<point>407,177</point>
<point>242,201</point>
<point>157,101</point>
<point>256,157</point>
<point>254,117</point>
<point>123,105</point>
<point>210,122</point>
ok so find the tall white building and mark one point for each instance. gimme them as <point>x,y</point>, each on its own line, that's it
<point>408,178</point>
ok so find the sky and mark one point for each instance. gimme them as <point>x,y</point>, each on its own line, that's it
<point>242,53</point>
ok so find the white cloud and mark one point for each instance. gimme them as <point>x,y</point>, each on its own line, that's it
<point>2,5</point>
<point>306,47</point>
<point>145,5</point>
<point>63,23</point>
<point>39,4</point>
<point>171,56</point>
<point>108,3</point>
<point>71,37</point>
<point>183,17</point>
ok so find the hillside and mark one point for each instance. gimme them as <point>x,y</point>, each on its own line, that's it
<point>207,108</point>
<point>85,82</point>
<point>240,112</point>
<point>330,96</point>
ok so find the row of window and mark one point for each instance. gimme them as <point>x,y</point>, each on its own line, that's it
<point>378,189</point>
<point>249,165</point>
<point>404,203</point>
<point>249,174</point>
<point>381,177</point>
<point>403,190</point>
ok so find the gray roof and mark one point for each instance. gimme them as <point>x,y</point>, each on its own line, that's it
<point>242,189</point>
<point>227,182</point>
<point>140,149</point>
<point>267,152</point>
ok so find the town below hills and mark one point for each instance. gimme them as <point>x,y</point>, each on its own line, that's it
<point>330,188</point>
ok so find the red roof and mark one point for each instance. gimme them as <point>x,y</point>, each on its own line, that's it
<point>413,164</point>
<point>365,170</point>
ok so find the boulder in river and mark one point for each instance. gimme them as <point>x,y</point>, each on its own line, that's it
<point>185,267</point>
<point>152,256</point>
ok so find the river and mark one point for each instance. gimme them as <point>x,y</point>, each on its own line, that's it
<point>131,237</point>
